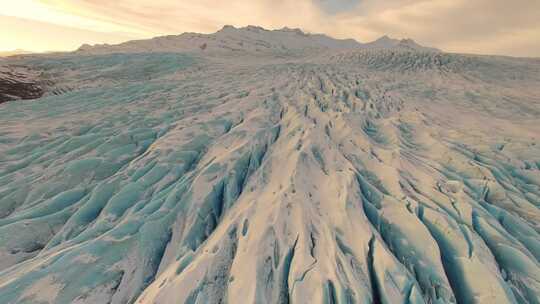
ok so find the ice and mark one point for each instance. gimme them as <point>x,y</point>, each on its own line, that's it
<point>270,167</point>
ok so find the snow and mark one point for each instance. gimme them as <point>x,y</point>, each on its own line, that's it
<point>289,168</point>
<point>285,41</point>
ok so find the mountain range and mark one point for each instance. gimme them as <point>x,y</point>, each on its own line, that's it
<point>250,38</point>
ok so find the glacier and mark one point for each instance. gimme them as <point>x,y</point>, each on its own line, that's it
<point>257,166</point>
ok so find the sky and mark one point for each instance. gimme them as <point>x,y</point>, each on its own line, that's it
<point>500,27</point>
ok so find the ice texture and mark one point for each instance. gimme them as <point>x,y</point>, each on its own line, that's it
<point>292,168</point>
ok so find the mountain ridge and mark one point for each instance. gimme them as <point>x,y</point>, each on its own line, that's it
<point>249,38</point>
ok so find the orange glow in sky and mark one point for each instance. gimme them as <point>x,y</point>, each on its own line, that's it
<point>480,26</point>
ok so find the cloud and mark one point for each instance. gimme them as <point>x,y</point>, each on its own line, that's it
<point>337,6</point>
<point>170,16</point>
<point>38,36</point>
<point>479,26</point>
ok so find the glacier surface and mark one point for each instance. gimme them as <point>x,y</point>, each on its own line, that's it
<point>255,166</point>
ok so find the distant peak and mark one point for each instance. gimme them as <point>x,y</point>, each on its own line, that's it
<point>292,30</point>
<point>411,44</point>
<point>84,47</point>
<point>407,41</point>
<point>257,29</point>
<point>227,27</point>
<point>384,38</point>
<point>254,28</point>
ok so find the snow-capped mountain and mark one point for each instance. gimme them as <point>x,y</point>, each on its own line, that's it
<point>386,42</point>
<point>257,166</point>
<point>247,39</point>
<point>229,38</point>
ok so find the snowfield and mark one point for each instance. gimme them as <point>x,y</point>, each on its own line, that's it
<point>256,166</point>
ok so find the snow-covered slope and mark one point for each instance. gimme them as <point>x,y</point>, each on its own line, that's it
<point>163,172</point>
<point>251,39</point>
<point>230,39</point>
<point>386,42</point>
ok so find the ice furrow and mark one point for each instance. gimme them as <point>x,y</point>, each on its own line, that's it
<point>271,175</point>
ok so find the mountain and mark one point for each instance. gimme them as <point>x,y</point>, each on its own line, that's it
<point>229,39</point>
<point>386,42</point>
<point>247,39</point>
<point>271,167</point>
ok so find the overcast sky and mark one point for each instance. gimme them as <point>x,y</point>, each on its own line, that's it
<point>469,26</point>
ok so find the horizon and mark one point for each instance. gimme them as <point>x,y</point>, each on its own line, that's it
<point>484,27</point>
<point>20,50</point>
